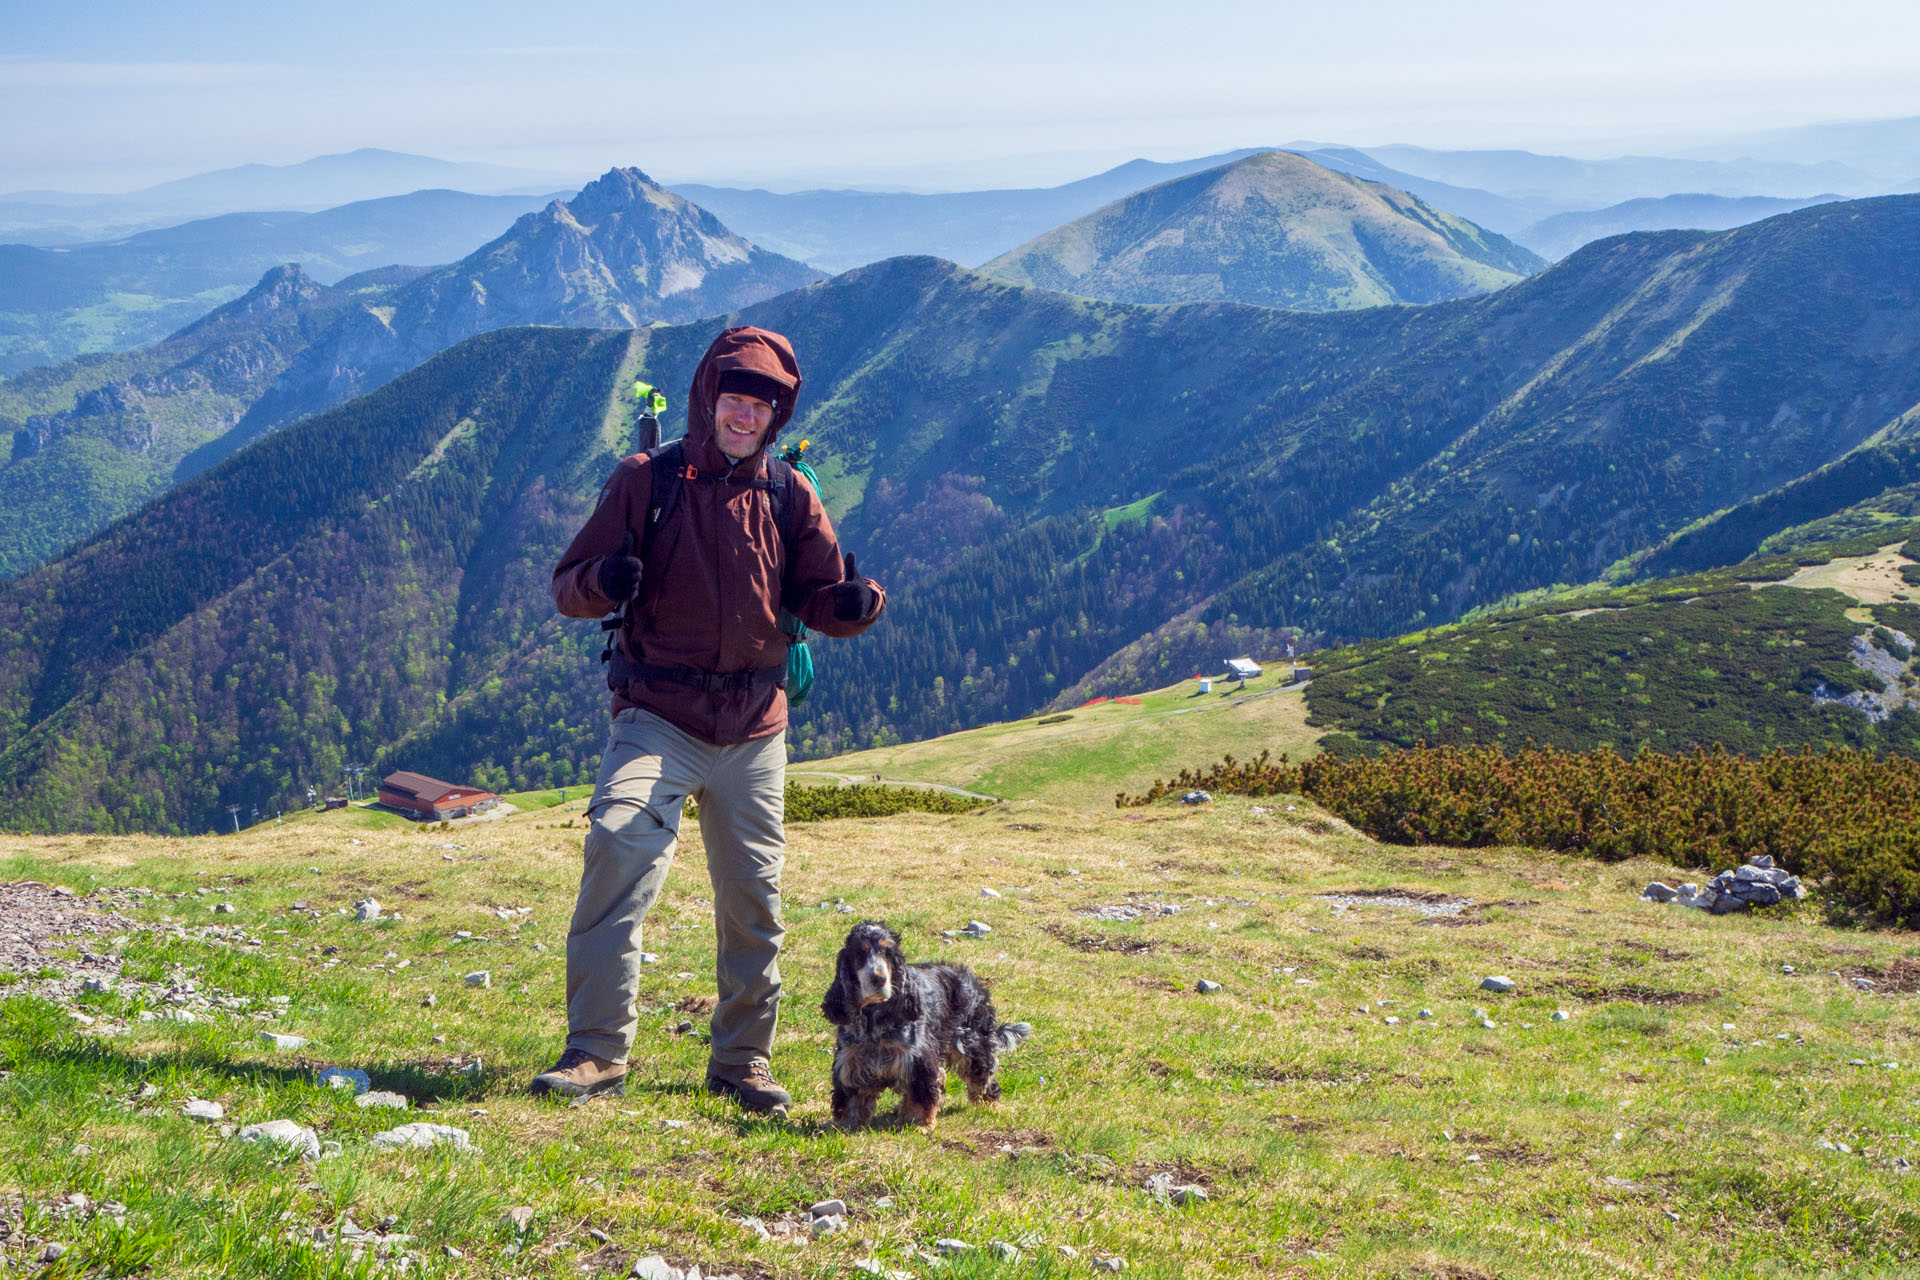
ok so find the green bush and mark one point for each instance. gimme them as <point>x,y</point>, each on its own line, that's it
<point>1844,819</point>
<point>816,804</point>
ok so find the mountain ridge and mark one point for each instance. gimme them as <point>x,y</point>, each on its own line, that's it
<point>1273,229</point>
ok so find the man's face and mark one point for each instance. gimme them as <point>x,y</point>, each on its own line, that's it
<point>740,423</point>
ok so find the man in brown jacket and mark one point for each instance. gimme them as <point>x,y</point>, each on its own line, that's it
<point>699,710</point>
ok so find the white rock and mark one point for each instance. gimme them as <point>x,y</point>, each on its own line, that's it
<point>383,1098</point>
<point>366,909</point>
<point>1426,1013</point>
<point>223,908</point>
<point>654,1267</point>
<point>1560,1015</point>
<point>280,1041</point>
<point>296,1138</point>
<point>1189,1194</point>
<point>518,1218</point>
<point>828,1209</point>
<point>1497,983</point>
<point>479,978</point>
<point>1206,985</point>
<point>423,1134</point>
<point>1005,1251</point>
<point>344,1078</point>
<point>949,1246</point>
<point>95,987</point>
<point>1390,1021</point>
<point>649,957</point>
<point>1117,1264</point>
<point>828,1225</point>
<point>199,1109</point>
<point>989,893</point>
<point>979,928</point>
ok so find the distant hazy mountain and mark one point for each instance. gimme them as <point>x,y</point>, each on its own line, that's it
<point>118,295</point>
<point>324,182</point>
<point>96,436</point>
<point>836,230</point>
<point>1556,237</point>
<point>1276,230</point>
<point>1888,150</point>
<point>1576,184</point>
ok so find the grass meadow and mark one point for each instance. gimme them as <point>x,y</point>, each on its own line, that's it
<point>1701,1111</point>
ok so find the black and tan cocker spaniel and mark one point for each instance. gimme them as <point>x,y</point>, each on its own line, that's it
<point>902,1025</point>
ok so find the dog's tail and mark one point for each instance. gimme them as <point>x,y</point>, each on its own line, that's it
<point>1008,1035</point>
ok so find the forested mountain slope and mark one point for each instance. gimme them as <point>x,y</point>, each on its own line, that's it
<point>1062,494</point>
<point>1274,229</point>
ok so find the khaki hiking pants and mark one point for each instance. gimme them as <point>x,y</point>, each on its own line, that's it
<point>648,770</point>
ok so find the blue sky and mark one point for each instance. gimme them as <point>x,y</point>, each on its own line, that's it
<point>117,94</point>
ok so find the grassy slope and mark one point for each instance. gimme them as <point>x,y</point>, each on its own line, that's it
<point>1663,1130</point>
<point>1101,749</point>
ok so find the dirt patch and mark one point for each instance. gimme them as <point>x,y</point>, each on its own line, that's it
<point>1902,976</point>
<point>1018,1139</point>
<point>1368,953</point>
<point>1429,904</point>
<point>39,922</point>
<point>697,1006</point>
<point>1449,1270</point>
<point>1297,1124</point>
<point>1590,991</point>
<point>1191,868</point>
<point>1092,942</point>
<point>1183,1173</point>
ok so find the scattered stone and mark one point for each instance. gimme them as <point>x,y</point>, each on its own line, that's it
<point>1205,985</point>
<point>344,1078</point>
<point>95,987</point>
<point>979,928</point>
<point>366,909</point>
<point>649,957</point>
<point>598,1236</point>
<point>875,1267</point>
<point>655,1267</point>
<point>384,1099</point>
<point>828,1209</point>
<point>1426,1013</point>
<point>423,1134</point>
<point>1498,984</point>
<point>53,1251</point>
<point>1113,1264</point>
<point>828,1225</point>
<point>1786,968</point>
<point>479,978</point>
<point>1195,797</point>
<point>1004,1251</point>
<point>1659,892</point>
<point>883,1202</point>
<point>296,1138</point>
<point>949,1247</point>
<point>1390,1021</point>
<point>519,1218</point>
<point>223,908</point>
<point>989,893</point>
<point>284,1042</point>
<point>1488,1023</point>
<point>452,1252</point>
<point>198,1109</point>
<point>429,1001</point>
<point>1189,1194</point>
<point>1757,884</point>
<point>1560,1015</point>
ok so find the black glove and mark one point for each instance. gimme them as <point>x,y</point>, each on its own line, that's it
<point>853,599</point>
<point>620,572</point>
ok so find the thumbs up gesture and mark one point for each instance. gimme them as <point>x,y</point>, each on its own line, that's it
<point>620,572</point>
<point>853,597</point>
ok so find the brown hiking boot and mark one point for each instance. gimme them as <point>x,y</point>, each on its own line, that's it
<point>752,1086</point>
<point>579,1074</point>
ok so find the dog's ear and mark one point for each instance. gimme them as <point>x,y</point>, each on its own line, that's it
<point>838,1007</point>
<point>899,948</point>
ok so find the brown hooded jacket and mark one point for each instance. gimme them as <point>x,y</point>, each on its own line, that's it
<point>717,573</point>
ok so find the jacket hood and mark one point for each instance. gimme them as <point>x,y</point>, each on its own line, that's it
<point>743,347</point>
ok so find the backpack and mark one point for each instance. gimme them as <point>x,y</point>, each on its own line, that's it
<point>670,475</point>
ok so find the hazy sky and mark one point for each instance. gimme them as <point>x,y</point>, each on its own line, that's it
<point>121,93</point>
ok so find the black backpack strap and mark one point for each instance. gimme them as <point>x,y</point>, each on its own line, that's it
<point>665,464</point>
